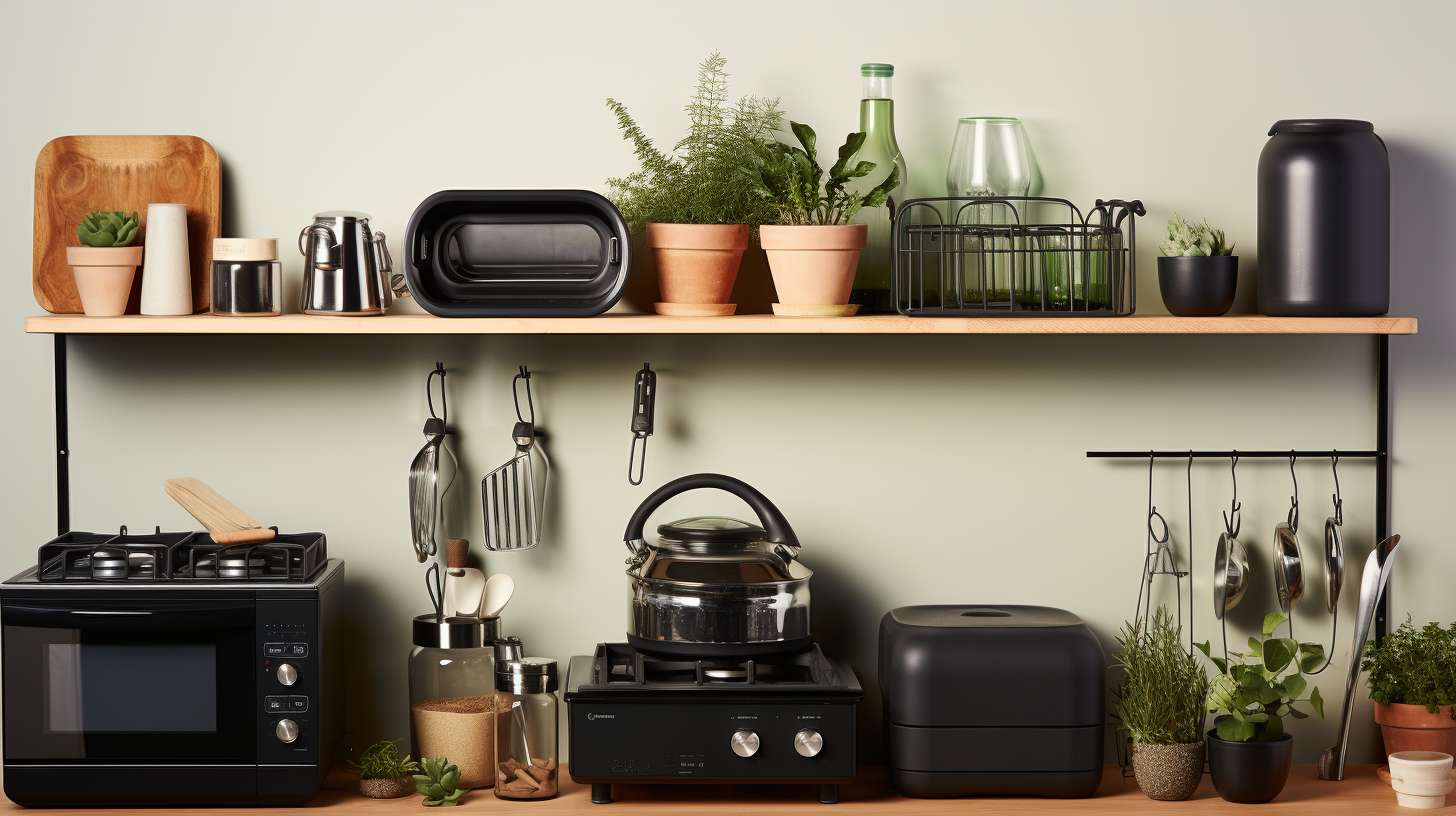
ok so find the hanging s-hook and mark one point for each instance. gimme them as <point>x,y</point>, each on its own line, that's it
<point>439,371</point>
<point>1339,502</point>
<point>1232,520</point>
<point>1293,516</point>
<point>1145,579</point>
<point>529,415</point>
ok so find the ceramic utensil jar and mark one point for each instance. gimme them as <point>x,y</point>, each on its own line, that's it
<point>246,276</point>
<point>166,265</point>
<point>346,268</point>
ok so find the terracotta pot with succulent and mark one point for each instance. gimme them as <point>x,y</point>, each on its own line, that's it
<point>1413,683</point>
<point>1249,752</point>
<point>439,782</point>
<point>1198,272</point>
<point>692,202</point>
<point>1161,704</point>
<point>383,773</point>
<point>813,250</point>
<point>106,261</point>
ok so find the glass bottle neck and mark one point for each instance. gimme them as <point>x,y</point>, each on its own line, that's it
<point>876,87</point>
<point>877,118</point>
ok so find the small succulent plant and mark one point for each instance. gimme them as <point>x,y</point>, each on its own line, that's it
<point>1198,240</point>
<point>108,229</point>
<point>440,782</point>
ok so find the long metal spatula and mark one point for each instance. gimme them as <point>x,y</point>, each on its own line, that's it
<point>1372,586</point>
<point>513,496</point>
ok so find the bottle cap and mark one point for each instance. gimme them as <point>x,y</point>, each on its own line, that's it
<point>244,249</point>
<point>877,69</point>
<point>530,675</point>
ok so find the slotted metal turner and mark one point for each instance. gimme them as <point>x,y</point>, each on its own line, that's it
<point>513,496</point>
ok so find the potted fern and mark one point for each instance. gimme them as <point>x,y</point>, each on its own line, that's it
<point>691,201</point>
<point>1161,704</point>
<point>1413,683</point>
<point>813,250</point>
<point>106,261</point>
<point>1198,273</point>
<point>384,773</point>
<point>1249,752</point>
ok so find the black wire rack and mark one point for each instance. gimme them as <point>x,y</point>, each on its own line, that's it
<point>1014,255</point>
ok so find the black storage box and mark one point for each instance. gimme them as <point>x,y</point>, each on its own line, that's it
<point>992,700</point>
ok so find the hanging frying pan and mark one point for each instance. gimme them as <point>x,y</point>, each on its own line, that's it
<point>1230,573</point>
<point>1334,545</point>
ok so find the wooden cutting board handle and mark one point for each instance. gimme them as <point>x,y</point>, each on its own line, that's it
<point>224,521</point>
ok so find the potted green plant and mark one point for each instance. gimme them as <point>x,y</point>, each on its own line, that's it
<point>439,782</point>
<point>1161,704</point>
<point>1413,683</point>
<point>384,773</point>
<point>1249,752</point>
<point>691,201</point>
<point>106,261</point>
<point>1198,272</point>
<point>813,250</point>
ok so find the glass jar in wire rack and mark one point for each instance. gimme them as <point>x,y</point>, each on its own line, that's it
<point>452,694</point>
<point>525,739</point>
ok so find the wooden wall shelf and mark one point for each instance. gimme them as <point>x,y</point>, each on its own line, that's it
<point>739,324</point>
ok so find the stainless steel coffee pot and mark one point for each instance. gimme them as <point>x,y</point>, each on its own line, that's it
<point>346,266</point>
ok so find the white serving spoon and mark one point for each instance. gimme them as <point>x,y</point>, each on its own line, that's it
<point>498,591</point>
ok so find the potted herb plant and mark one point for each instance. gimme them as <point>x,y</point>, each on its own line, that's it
<point>691,200</point>
<point>1413,683</point>
<point>106,261</point>
<point>383,773</point>
<point>1249,752</point>
<point>1198,272</point>
<point>1161,704</point>
<point>813,250</point>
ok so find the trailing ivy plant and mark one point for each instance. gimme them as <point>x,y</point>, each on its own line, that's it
<point>791,180</point>
<point>700,181</point>
<point>1199,240</point>
<point>1255,691</point>
<point>1414,666</point>
<point>1164,689</point>
<point>382,760</point>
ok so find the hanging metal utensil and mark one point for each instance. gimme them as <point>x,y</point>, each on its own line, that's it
<point>1231,558</point>
<point>1288,562</point>
<point>644,408</point>
<point>513,496</point>
<point>425,491</point>
<point>1159,560</point>
<point>1334,544</point>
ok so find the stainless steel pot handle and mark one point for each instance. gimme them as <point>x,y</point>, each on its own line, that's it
<point>779,531</point>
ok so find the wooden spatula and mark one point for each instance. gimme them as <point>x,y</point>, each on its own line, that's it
<point>223,520</point>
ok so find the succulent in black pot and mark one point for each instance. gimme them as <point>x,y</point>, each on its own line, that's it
<point>1249,752</point>
<point>1198,272</point>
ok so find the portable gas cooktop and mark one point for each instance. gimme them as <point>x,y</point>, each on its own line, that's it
<point>643,719</point>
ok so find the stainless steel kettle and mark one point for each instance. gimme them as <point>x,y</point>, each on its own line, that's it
<point>346,266</point>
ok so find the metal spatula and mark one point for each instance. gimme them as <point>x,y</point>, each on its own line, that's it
<point>513,496</point>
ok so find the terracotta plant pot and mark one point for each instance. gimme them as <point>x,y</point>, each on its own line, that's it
<point>1168,773</point>
<point>387,788</point>
<point>813,265</point>
<point>1412,728</point>
<point>697,264</point>
<point>103,277</point>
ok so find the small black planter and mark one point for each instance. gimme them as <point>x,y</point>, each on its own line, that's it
<point>1250,773</point>
<point>1198,286</point>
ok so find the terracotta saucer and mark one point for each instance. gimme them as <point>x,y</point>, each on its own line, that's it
<point>695,309</point>
<point>836,310</point>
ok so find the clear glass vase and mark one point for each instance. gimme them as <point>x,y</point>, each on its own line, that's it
<point>992,156</point>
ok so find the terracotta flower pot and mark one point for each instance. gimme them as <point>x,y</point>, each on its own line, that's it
<point>697,264</point>
<point>387,788</point>
<point>813,265</point>
<point>1412,728</point>
<point>103,277</point>
<point>1168,773</point>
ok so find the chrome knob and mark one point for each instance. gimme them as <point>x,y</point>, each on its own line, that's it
<point>286,731</point>
<point>744,743</point>
<point>287,675</point>
<point>808,743</point>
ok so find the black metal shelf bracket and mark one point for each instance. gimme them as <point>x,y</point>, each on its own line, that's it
<point>63,442</point>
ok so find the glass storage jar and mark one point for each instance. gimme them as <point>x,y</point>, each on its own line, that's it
<point>525,737</point>
<point>452,694</point>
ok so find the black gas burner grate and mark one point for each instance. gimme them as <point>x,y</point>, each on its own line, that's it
<point>620,665</point>
<point>182,557</point>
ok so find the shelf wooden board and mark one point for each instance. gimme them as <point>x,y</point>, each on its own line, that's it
<point>1360,793</point>
<point>737,324</point>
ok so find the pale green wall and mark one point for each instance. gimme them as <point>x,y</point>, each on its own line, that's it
<point>915,469</point>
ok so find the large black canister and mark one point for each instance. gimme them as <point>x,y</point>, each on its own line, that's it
<point>1324,219</point>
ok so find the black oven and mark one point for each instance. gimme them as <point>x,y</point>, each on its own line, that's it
<point>141,694</point>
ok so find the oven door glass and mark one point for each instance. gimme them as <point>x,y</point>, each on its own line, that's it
<point>135,680</point>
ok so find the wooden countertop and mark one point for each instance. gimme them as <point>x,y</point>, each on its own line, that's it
<point>1360,793</point>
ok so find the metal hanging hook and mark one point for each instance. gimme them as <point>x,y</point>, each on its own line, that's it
<point>530,413</point>
<point>1339,502</point>
<point>439,371</point>
<point>644,408</point>
<point>1158,517</point>
<point>1293,516</point>
<point>1232,520</point>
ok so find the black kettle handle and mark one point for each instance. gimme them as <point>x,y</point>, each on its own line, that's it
<point>769,516</point>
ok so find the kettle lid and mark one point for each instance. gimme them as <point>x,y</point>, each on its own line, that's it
<point>712,530</point>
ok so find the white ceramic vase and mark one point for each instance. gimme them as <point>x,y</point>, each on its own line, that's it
<point>1421,778</point>
<point>166,265</point>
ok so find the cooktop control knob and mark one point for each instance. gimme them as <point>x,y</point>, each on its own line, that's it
<point>287,675</point>
<point>744,743</point>
<point>286,731</point>
<point>808,743</point>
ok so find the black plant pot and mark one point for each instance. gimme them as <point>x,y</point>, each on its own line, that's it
<point>1250,773</point>
<point>1198,286</point>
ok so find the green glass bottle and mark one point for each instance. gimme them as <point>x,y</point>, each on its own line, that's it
<point>877,120</point>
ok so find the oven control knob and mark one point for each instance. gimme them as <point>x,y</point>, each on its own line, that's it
<point>744,743</point>
<point>286,731</point>
<point>808,743</point>
<point>287,675</point>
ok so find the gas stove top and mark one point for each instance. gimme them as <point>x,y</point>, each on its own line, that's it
<point>182,558</point>
<point>634,717</point>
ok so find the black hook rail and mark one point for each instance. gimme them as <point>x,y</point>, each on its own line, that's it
<point>1242,454</point>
